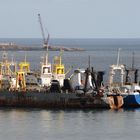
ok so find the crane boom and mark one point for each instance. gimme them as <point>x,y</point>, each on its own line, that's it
<point>45,41</point>
<point>41,26</point>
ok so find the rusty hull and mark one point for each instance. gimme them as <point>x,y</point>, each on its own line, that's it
<point>50,100</point>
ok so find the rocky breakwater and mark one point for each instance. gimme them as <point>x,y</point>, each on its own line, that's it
<point>58,48</point>
<point>14,47</point>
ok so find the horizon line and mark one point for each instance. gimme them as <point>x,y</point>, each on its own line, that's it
<point>69,38</point>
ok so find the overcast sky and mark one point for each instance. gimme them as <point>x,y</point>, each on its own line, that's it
<point>70,18</point>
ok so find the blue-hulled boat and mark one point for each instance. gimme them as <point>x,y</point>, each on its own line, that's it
<point>132,100</point>
<point>128,88</point>
<point>131,96</point>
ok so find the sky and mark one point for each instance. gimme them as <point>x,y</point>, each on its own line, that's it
<point>70,18</point>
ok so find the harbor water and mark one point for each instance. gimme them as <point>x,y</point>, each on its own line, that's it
<point>39,124</point>
<point>43,124</point>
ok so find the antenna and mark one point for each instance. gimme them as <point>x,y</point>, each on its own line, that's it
<point>25,58</point>
<point>133,60</point>
<point>60,56</point>
<point>12,59</point>
<point>89,62</point>
<point>118,57</point>
<point>46,58</point>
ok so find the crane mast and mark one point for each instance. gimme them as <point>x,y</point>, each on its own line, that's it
<point>45,41</point>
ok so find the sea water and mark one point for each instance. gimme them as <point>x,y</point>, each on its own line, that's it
<point>43,124</point>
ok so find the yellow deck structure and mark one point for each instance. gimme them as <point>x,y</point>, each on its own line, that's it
<point>58,69</point>
<point>24,66</point>
<point>7,67</point>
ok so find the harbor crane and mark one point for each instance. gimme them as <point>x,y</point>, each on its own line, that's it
<point>45,40</point>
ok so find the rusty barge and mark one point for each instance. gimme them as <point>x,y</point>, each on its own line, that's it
<point>20,87</point>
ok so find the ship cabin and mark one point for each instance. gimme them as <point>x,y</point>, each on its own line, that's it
<point>46,73</point>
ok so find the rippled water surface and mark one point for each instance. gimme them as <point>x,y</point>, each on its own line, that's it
<point>35,124</point>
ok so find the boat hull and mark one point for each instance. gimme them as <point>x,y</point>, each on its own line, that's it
<point>115,101</point>
<point>50,100</point>
<point>132,100</point>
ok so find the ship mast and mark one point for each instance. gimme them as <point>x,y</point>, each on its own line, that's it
<point>117,67</point>
<point>133,61</point>
<point>118,57</point>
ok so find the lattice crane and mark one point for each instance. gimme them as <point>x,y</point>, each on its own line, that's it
<point>45,40</point>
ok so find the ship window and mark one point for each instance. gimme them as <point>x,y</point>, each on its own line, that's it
<point>46,70</point>
<point>59,71</point>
